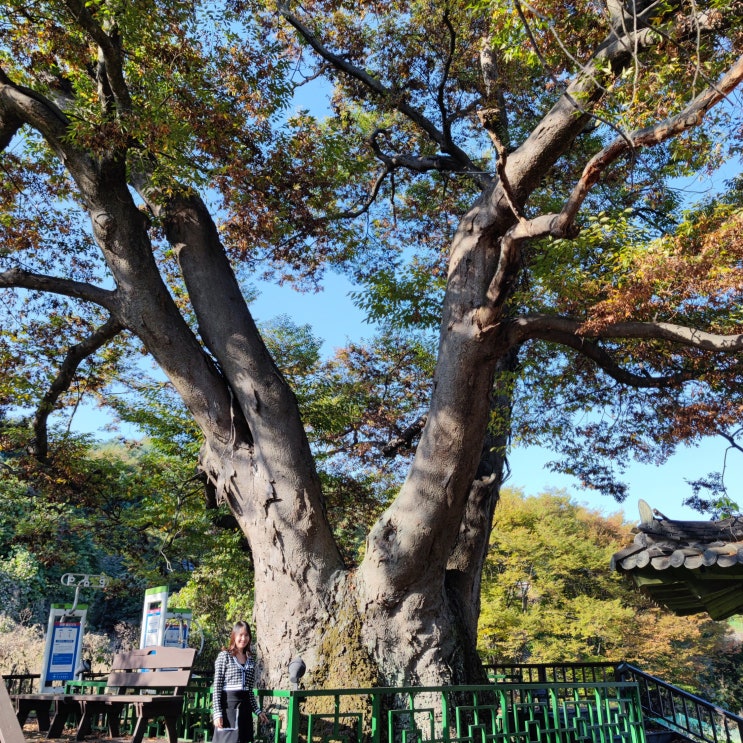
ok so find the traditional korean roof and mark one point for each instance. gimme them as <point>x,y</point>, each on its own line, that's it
<point>687,566</point>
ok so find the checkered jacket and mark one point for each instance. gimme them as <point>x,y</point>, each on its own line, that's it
<point>229,675</point>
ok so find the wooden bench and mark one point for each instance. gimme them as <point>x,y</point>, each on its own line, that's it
<point>151,681</point>
<point>24,700</point>
<point>43,705</point>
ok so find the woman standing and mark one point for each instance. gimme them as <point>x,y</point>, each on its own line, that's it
<point>234,678</point>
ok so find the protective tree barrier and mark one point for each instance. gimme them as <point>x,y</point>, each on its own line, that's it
<point>498,713</point>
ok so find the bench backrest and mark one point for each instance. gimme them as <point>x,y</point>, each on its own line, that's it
<point>10,730</point>
<point>152,668</point>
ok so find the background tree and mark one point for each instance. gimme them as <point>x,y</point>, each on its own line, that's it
<point>130,511</point>
<point>152,163</point>
<point>576,608</point>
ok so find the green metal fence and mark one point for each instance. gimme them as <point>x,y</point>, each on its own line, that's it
<point>681,712</point>
<point>499,713</point>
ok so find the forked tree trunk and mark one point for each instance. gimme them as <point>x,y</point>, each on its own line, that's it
<point>347,637</point>
<point>408,613</point>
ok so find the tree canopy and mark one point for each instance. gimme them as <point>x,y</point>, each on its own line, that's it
<point>507,174</point>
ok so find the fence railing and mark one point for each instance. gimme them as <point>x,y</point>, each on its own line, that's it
<point>21,683</point>
<point>682,712</point>
<point>503,712</point>
<point>500,713</point>
<point>552,673</point>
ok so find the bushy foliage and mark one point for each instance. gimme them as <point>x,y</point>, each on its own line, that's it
<point>21,646</point>
<point>576,608</point>
<point>21,586</point>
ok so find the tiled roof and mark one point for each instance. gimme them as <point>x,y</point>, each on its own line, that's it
<point>687,566</point>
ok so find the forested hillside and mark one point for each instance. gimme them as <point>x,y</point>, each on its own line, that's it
<point>576,608</point>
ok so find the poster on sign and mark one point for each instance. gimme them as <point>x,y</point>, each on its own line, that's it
<point>153,616</point>
<point>177,628</point>
<point>63,648</point>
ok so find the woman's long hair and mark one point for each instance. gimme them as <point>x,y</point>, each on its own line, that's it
<point>239,627</point>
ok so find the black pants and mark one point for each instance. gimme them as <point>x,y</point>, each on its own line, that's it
<point>232,702</point>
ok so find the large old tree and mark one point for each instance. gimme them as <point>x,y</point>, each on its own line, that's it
<point>513,158</point>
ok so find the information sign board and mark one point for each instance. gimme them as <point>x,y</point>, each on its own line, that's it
<point>63,647</point>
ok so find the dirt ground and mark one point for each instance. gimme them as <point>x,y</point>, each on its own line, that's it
<point>31,733</point>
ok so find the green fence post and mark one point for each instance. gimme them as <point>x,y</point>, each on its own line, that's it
<point>444,716</point>
<point>292,718</point>
<point>376,722</point>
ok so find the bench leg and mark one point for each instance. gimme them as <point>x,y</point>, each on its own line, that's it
<point>42,717</point>
<point>171,725</point>
<point>83,726</point>
<point>113,719</point>
<point>139,729</point>
<point>21,712</point>
<point>88,712</point>
<point>24,706</point>
<point>62,711</point>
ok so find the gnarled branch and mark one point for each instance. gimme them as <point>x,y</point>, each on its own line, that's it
<point>61,383</point>
<point>548,327</point>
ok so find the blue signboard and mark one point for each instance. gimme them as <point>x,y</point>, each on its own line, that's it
<point>65,639</point>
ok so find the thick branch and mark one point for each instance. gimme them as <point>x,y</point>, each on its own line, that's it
<point>9,125</point>
<point>281,459</point>
<point>405,439</point>
<point>110,52</point>
<point>23,104</point>
<point>569,116</point>
<point>547,327</point>
<point>18,278</point>
<point>464,567</point>
<point>494,117</point>
<point>441,89</point>
<point>417,163</point>
<point>75,356</point>
<point>508,266</point>
<point>601,358</point>
<point>690,117</point>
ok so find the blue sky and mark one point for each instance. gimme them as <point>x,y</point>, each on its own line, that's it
<point>335,319</point>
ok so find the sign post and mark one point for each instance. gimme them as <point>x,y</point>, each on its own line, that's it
<point>65,632</point>
<point>64,643</point>
<point>153,616</point>
<point>161,625</point>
